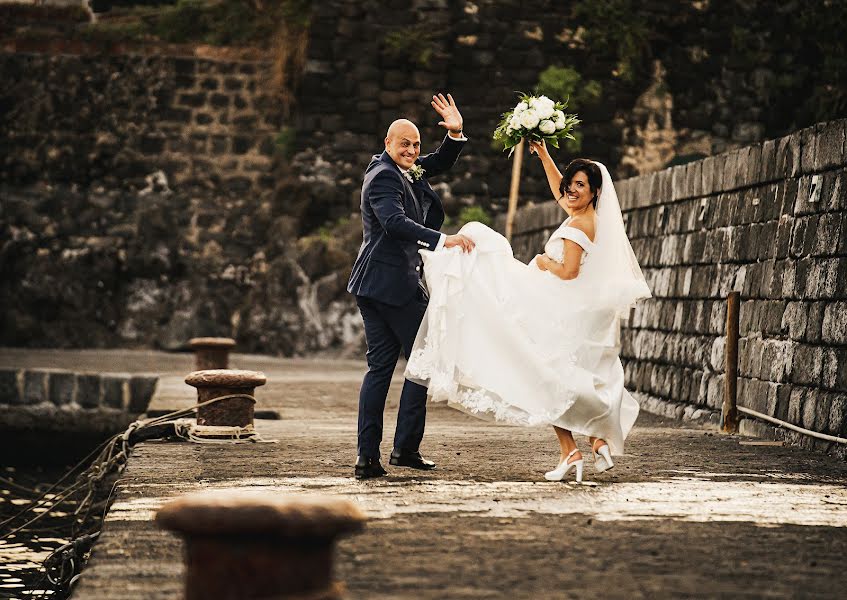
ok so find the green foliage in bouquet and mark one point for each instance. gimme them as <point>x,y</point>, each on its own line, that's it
<point>535,118</point>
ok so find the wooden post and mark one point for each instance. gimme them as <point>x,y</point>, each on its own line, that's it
<point>517,162</point>
<point>729,410</point>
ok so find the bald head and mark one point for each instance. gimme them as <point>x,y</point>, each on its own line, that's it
<point>403,143</point>
<point>402,127</point>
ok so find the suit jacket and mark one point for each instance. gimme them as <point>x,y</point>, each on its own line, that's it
<point>388,267</point>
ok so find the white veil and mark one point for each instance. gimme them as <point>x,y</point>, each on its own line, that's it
<point>614,270</point>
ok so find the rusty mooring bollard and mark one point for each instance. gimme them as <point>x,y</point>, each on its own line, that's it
<point>211,352</point>
<point>214,383</point>
<point>259,545</point>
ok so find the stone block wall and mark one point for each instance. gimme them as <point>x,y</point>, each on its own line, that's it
<point>110,121</point>
<point>768,221</point>
<point>244,241</point>
<point>61,401</point>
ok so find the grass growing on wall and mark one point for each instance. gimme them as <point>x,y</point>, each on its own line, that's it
<point>213,22</point>
<point>474,213</point>
<point>565,83</point>
<point>413,44</point>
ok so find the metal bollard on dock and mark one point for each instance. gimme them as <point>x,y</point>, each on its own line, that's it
<point>259,545</point>
<point>211,352</point>
<point>235,411</point>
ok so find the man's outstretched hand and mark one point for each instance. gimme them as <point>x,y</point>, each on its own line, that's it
<point>450,115</point>
<point>458,239</point>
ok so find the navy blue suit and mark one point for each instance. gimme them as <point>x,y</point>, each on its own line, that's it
<point>398,219</point>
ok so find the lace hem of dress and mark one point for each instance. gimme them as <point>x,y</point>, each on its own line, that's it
<point>444,386</point>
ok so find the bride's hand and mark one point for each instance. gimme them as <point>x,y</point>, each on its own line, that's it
<point>541,262</point>
<point>538,148</point>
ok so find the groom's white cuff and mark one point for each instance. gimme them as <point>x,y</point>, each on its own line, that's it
<point>441,241</point>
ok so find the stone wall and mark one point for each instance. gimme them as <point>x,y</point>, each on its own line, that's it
<point>251,230</point>
<point>102,118</point>
<point>53,400</point>
<point>111,121</point>
<point>768,221</point>
<point>111,268</point>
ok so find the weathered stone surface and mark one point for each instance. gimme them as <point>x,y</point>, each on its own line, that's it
<point>62,388</point>
<point>141,390</point>
<point>114,390</point>
<point>35,387</point>
<point>88,391</point>
<point>830,145</point>
<point>838,415</point>
<point>834,329</point>
<point>10,389</point>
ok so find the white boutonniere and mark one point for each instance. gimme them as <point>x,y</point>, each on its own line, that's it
<point>416,172</point>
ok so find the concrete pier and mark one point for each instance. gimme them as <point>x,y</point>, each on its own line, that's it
<point>687,512</point>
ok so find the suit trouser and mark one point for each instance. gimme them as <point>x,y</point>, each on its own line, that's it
<point>388,330</point>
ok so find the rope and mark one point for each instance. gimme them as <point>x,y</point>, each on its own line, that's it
<point>62,566</point>
<point>211,434</point>
<point>792,427</point>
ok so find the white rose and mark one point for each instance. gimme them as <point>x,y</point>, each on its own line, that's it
<point>515,122</point>
<point>522,106</point>
<point>547,126</point>
<point>529,119</point>
<point>544,107</point>
<point>559,118</point>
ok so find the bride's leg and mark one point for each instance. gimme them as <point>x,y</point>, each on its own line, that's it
<point>567,444</point>
<point>595,446</point>
<point>602,456</point>
<point>571,458</point>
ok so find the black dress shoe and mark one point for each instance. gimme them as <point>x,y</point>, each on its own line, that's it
<point>368,467</point>
<point>406,458</point>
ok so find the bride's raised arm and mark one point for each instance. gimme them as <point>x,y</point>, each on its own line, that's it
<point>554,176</point>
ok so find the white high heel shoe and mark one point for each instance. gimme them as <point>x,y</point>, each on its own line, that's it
<point>564,468</point>
<point>602,459</point>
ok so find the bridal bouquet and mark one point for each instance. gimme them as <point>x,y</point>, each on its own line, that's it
<point>535,118</point>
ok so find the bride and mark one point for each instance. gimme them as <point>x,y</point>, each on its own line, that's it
<point>538,343</point>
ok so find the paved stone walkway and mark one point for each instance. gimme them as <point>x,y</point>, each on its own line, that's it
<point>687,513</point>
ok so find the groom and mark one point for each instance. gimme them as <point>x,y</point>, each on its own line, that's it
<point>400,215</point>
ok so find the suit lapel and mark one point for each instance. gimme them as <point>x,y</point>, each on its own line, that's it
<point>410,191</point>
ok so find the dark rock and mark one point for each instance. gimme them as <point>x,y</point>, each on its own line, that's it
<point>88,391</point>
<point>62,388</point>
<point>114,394</point>
<point>10,392</point>
<point>141,390</point>
<point>35,387</point>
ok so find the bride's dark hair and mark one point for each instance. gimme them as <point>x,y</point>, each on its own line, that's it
<point>591,170</point>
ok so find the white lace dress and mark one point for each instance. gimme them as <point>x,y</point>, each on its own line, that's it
<point>507,341</point>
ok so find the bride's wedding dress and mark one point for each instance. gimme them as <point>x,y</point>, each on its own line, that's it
<point>505,340</point>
